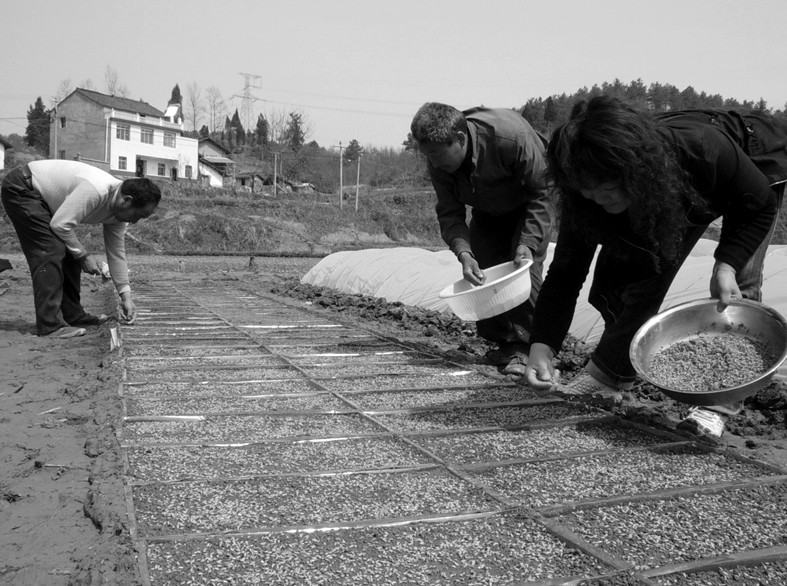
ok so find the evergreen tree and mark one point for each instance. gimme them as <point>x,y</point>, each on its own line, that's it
<point>533,112</point>
<point>550,114</point>
<point>690,99</point>
<point>353,151</point>
<point>204,132</point>
<point>176,97</point>
<point>293,135</point>
<point>37,132</point>
<point>262,131</point>
<point>237,126</point>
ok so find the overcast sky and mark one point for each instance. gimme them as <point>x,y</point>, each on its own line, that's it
<point>360,69</point>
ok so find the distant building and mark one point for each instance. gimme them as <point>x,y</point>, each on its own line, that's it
<point>251,180</point>
<point>4,146</point>
<point>215,165</point>
<point>122,136</point>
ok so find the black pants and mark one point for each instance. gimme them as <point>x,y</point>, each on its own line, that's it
<point>55,273</point>
<point>493,240</point>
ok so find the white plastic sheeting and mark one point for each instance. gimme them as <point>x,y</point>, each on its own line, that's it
<point>415,276</point>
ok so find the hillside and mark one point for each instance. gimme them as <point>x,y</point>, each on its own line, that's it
<point>191,220</point>
<point>196,220</point>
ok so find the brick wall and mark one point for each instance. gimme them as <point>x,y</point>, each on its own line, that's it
<point>84,133</point>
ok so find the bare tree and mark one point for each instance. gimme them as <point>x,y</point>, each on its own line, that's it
<point>112,81</point>
<point>278,121</point>
<point>216,108</point>
<point>63,89</point>
<point>196,108</point>
<point>88,84</point>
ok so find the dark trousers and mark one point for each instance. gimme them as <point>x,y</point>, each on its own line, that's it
<point>626,305</point>
<point>493,240</point>
<point>55,273</point>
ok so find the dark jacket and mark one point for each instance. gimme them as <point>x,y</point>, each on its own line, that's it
<point>507,171</point>
<point>711,147</point>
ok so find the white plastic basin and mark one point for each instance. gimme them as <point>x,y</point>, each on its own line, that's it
<point>506,287</point>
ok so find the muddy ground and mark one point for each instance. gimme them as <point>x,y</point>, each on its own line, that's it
<point>62,505</point>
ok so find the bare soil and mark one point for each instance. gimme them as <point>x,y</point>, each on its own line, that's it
<point>62,504</point>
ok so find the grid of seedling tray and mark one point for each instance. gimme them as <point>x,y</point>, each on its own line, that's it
<point>266,444</point>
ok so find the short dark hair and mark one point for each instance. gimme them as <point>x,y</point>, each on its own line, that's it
<point>142,191</point>
<point>437,123</point>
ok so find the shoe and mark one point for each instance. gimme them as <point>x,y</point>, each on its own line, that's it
<point>499,356</point>
<point>506,352</point>
<point>704,422</point>
<point>517,364</point>
<point>584,388</point>
<point>66,332</point>
<point>88,319</point>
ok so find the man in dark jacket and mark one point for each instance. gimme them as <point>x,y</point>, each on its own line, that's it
<point>490,160</point>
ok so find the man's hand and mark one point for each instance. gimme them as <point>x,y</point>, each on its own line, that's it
<point>522,254</point>
<point>723,285</point>
<point>470,270</point>
<point>90,264</point>
<point>540,374</point>
<point>128,308</point>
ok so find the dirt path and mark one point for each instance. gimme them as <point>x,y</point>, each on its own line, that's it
<point>61,499</point>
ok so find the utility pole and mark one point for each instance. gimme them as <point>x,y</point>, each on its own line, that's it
<point>357,181</point>
<point>275,159</point>
<point>55,154</point>
<point>341,182</point>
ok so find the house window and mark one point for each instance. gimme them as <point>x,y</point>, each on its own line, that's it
<point>169,139</point>
<point>123,132</point>
<point>61,154</point>
<point>162,169</point>
<point>147,135</point>
<point>188,171</point>
<point>122,163</point>
<point>62,122</point>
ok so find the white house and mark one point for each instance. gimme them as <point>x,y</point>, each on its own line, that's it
<point>124,137</point>
<point>215,165</point>
<point>4,146</point>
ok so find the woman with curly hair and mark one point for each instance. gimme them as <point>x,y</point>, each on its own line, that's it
<point>644,188</point>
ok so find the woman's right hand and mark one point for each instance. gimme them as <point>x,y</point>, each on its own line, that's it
<point>723,285</point>
<point>471,272</point>
<point>540,374</point>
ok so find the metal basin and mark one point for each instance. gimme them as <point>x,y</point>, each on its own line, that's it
<point>754,320</point>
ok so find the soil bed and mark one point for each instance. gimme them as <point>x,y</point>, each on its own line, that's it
<point>61,471</point>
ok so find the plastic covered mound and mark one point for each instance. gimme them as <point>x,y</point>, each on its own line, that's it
<point>415,276</point>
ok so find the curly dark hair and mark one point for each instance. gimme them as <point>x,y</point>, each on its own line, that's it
<point>606,140</point>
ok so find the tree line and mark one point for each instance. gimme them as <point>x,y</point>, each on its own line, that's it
<point>545,114</point>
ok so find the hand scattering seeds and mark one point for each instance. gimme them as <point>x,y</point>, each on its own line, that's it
<point>708,362</point>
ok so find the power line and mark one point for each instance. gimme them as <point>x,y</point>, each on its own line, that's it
<point>352,111</point>
<point>351,98</point>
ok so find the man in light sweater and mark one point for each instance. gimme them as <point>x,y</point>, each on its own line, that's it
<point>45,201</point>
